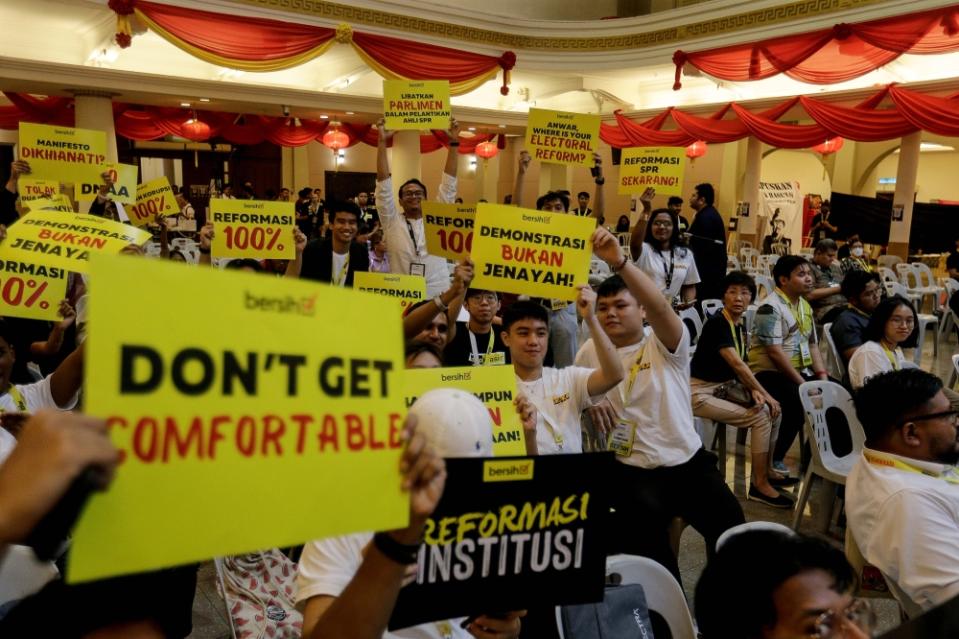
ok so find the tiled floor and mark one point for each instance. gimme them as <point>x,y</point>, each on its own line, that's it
<point>210,619</point>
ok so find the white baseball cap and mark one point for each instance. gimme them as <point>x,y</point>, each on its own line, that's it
<point>454,422</point>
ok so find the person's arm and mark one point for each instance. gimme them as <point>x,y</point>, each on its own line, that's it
<point>781,361</point>
<point>610,371</point>
<point>382,157</point>
<point>164,237</point>
<point>820,293</point>
<point>599,199</point>
<point>666,324</point>
<point>527,416</point>
<point>53,448</point>
<point>817,364</point>
<point>17,168</point>
<point>294,266</point>
<point>419,318</point>
<point>54,341</point>
<point>639,231</point>
<point>519,187</point>
<point>206,241</point>
<point>462,278</point>
<point>66,380</point>
<point>745,375</point>
<point>452,156</point>
<point>363,609</point>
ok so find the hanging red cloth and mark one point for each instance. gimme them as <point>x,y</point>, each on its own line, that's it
<point>927,112</point>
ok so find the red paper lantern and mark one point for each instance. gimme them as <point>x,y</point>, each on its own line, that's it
<point>335,139</point>
<point>832,145</point>
<point>194,129</point>
<point>696,150</point>
<point>486,150</point>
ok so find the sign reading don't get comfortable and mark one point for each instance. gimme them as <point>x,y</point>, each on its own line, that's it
<point>232,433</point>
<point>531,252</point>
<point>65,239</point>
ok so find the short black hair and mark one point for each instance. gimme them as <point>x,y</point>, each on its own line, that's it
<point>673,238</point>
<point>343,207</point>
<point>244,262</point>
<point>6,332</point>
<point>415,347</point>
<point>739,278</point>
<point>887,399</point>
<point>611,286</point>
<point>707,192</point>
<point>785,266</point>
<point>413,307</point>
<point>553,195</point>
<point>305,192</point>
<point>411,181</point>
<point>674,200</point>
<point>876,327</point>
<point>583,194</point>
<point>826,245</point>
<point>734,575</point>
<point>855,282</point>
<point>524,309</point>
<point>473,292</point>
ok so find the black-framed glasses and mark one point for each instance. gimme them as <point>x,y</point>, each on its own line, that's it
<point>859,613</point>
<point>953,416</point>
<point>413,194</point>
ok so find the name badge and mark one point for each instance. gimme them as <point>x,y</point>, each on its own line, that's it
<point>621,439</point>
<point>558,305</point>
<point>418,269</point>
<point>804,354</point>
<point>494,359</point>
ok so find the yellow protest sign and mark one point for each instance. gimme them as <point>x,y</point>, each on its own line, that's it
<point>531,252</point>
<point>449,229</point>
<point>495,386</point>
<point>56,202</point>
<point>232,439</point>
<point>416,104</point>
<point>408,289</point>
<point>252,228</point>
<point>62,153</point>
<point>659,167</point>
<point>153,198</point>
<point>34,189</point>
<point>31,290</point>
<point>124,189</point>
<point>561,137</point>
<point>65,239</point>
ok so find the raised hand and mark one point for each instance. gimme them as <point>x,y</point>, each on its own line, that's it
<point>606,247</point>
<point>524,159</point>
<point>385,134</point>
<point>586,301</point>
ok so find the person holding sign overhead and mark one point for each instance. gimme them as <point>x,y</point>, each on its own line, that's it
<point>405,234</point>
<point>8,195</point>
<point>664,471</point>
<point>336,259</point>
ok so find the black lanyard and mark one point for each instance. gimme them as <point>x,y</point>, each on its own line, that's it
<point>669,272</point>
<point>416,247</point>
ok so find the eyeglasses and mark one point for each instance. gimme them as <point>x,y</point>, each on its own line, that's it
<point>662,223</point>
<point>859,613</point>
<point>419,194</point>
<point>903,321</point>
<point>951,415</point>
<point>485,297</point>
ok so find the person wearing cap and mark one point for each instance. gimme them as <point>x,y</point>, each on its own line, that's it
<point>475,343</point>
<point>347,586</point>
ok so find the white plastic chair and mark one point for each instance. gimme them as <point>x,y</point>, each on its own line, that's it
<point>954,375</point>
<point>765,264</point>
<point>889,261</point>
<point>764,286</point>
<point>887,274</point>
<point>816,398</point>
<point>732,263</point>
<point>663,593</point>
<point>925,321</point>
<point>696,329</point>
<point>840,368</point>
<point>748,318</point>
<point>750,526</point>
<point>711,306</point>
<point>949,318</point>
<point>749,259</point>
<point>927,283</point>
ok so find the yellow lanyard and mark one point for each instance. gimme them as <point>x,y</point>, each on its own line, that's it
<point>475,348</point>
<point>17,399</point>
<point>798,312</point>
<point>740,346</point>
<point>891,356</point>
<point>879,459</point>
<point>862,263</point>
<point>445,628</point>
<point>633,372</point>
<point>341,278</point>
<point>866,315</point>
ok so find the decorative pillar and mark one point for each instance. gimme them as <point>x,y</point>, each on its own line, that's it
<point>405,162</point>
<point>905,195</point>
<point>754,160</point>
<point>94,110</point>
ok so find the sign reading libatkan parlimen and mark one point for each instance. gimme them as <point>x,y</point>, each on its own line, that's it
<point>413,105</point>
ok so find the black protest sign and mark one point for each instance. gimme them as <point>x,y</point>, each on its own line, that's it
<point>510,534</point>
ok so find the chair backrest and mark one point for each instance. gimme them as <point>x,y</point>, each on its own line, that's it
<point>710,307</point>
<point>691,316</point>
<point>663,592</point>
<point>889,261</point>
<point>748,318</point>
<point>950,285</point>
<point>895,288</point>
<point>732,263</point>
<point>887,274</point>
<point>924,273</point>
<point>907,275</point>
<point>764,286</point>
<point>766,263</point>
<point>833,351</point>
<point>817,397</point>
<point>744,244</point>
<point>751,526</point>
<point>748,257</point>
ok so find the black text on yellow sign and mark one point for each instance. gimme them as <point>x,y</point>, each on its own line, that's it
<point>31,291</point>
<point>251,228</point>
<point>561,137</point>
<point>449,229</point>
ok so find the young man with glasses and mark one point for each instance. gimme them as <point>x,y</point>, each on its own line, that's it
<point>475,343</point>
<point>403,226</point>
<point>902,494</point>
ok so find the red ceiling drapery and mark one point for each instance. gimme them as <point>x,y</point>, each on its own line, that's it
<point>833,55</point>
<point>256,44</point>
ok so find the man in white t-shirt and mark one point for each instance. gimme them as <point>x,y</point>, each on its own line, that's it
<point>902,494</point>
<point>404,230</point>
<point>559,394</point>
<point>664,471</point>
<point>348,585</point>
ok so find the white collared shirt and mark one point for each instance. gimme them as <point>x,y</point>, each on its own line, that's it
<point>907,525</point>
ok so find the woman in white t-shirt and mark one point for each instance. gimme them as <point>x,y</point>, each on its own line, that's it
<point>893,322</point>
<point>661,257</point>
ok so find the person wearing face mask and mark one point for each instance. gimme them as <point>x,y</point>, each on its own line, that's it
<point>902,494</point>
<point>856,260</point>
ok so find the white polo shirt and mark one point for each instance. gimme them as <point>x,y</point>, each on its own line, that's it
<point>406,239</point>
<point>36,396</point>
<point>560,396</point>
<point>658,402</point>
<point>906,523</point>
<point>328,565</point>
<point>659,265</point>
